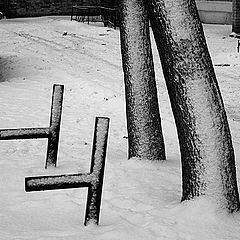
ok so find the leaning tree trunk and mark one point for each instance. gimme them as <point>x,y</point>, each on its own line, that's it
<point>236,17</point>
<point>208,165</point>
<point>143,118</point>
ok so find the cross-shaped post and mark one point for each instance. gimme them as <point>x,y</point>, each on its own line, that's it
<point>92,180</point>
<point>51,132</point>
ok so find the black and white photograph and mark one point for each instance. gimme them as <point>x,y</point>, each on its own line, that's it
<point>119,119</point>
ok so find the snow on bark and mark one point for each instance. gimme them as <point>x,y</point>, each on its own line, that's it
<point>143,118</point>
<point>236,17</point>
<point>207,155</point>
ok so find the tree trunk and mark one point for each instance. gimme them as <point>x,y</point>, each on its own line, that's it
<point>143,118</point>
<point>207,155</point>
<point>236,17</point>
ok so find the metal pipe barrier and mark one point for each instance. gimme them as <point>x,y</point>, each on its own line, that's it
<point>51,132</point>
<point>92,180</point>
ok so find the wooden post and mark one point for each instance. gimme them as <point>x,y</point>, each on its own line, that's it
<point>92,180</point>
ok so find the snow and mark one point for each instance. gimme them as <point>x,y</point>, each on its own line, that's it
<point>141,199</point>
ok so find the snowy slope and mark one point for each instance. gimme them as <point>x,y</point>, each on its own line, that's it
<point>141,200</point>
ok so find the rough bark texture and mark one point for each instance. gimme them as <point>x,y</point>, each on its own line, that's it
<point>143,118</point>
<point>208,164</point>
<point>236,17</point>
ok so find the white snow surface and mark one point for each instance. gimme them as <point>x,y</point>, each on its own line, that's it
<point>141,199</point>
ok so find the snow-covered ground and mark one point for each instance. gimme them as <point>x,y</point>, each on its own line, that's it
<point>141,200</point>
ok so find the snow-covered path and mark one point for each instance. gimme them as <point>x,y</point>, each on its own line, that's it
<point>141,200</point>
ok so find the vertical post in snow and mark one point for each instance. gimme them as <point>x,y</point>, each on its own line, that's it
<point>55,121</point>
<point>97,170</point>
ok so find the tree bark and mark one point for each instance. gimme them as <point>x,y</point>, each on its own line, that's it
<point>143,118</point>
<point>207,155</point>
<point>236,17</point>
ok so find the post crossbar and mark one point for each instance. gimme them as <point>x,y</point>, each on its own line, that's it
<point>51,132</point>
<point>92,180</point>
<point>24,133</point>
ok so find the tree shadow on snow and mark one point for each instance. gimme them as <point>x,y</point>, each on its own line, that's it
<point>7,68</point>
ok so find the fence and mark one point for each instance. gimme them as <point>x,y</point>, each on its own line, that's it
<point>30,8</point>
<point>93,180</point>
<point>51,132</point>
